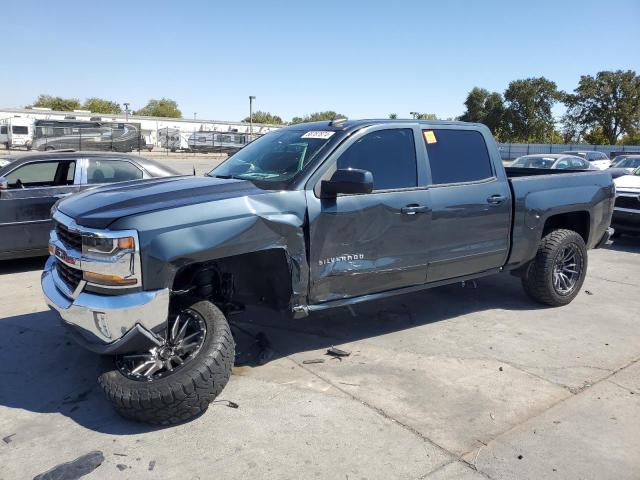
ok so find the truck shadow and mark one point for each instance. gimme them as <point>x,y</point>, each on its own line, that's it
<point>43,371</point>
<point>627,244</point>
<point>22,265</point>
<point>262,336</point>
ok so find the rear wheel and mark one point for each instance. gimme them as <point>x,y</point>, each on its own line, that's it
<point>554,277</point>
<point>179,379</point>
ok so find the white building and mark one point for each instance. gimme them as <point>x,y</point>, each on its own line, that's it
<point>149,125</point>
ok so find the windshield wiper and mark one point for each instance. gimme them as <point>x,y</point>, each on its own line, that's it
<point>226,177</point>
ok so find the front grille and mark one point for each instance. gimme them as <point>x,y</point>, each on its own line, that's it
<point>628,202</point>
<point>69,238</point>
<point>69,275</point>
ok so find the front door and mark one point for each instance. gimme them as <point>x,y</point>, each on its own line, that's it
<point>362,244</point>
<point>25,219</point>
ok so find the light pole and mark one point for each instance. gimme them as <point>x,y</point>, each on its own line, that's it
<point>126,112</point>
<point>251,99</point>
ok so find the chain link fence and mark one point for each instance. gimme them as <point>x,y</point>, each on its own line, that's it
<point>510,151</point>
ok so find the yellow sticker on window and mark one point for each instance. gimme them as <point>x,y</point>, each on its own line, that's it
<point>429,136</point>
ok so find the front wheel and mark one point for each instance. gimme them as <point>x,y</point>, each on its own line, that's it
<point>178,380</point>
<point>554,277</point>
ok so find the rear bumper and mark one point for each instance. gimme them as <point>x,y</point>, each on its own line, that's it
<point>626,220</point>
<point>108,324</point>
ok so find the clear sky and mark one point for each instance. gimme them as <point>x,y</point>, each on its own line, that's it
<point>363,59</point>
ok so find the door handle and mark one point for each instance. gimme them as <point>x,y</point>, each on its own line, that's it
<point>496,199</point>
<point>414,208</point>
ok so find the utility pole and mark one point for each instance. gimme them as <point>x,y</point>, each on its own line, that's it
<point>251,99</point>
<point>126,112</point>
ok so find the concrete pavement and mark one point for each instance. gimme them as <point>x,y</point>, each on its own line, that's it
<point>472,383</point>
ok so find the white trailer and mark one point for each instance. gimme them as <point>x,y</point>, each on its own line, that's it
<point>173,139</point>
<point>16,132</point>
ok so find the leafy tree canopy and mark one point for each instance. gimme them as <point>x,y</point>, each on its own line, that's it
<point>317,117</point>
<point>100,105</point>
<point>610,102</point>
<point>264,117</point>
<point>485,107</point>
<point>164,107</point>
<point>57,103</point>
<point>528,103</point>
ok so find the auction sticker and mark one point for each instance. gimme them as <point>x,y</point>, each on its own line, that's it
<point>323,134</point>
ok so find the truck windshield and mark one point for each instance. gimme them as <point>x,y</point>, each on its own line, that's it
<point>276,157</point>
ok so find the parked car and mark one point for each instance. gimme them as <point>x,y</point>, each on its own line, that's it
<point>31,183</point>
<point>624,165</point>
<point>305,218</point>
<point>626,213</point>
<point>597,159</point>
<point>554,161</point>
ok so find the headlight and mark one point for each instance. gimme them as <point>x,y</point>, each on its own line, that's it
<point>110,261</point>
<point>107,246</point>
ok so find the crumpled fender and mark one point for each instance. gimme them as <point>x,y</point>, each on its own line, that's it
<point>173,238</point>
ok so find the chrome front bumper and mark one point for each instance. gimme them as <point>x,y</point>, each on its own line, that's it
<point>107,324</point>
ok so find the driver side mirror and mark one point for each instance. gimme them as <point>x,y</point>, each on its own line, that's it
<point>4,184</point>
<point>349,181</point>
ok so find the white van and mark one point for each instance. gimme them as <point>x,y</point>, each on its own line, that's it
<point>16,132</point>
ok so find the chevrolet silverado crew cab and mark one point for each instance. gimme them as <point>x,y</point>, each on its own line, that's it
<point>305,218</point>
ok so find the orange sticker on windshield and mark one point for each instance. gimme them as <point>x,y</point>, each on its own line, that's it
<point>429,136</point>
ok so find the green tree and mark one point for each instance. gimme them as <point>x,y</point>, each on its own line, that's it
<point>265,117</point>
<point>631,138</point>
<point>317,117</point>
<point>57,103</point>
<point>527,115</point>
<point>100,105</point>
<point>160,108</point>
<point>393,116</point>
<point>610,101</point>
<point>425,116</point>
<point>485,107</point>
<point>596,136</point>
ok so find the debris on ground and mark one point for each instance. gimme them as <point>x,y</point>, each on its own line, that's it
<point>227,403</point>
<point>80,397</point>
<point>500,369</point>
<point>7,439</point>
<point>77,468</point>
<point>337,353</point>
<point>121,454</point>
<point>313,360</point>
<point>152,465</point>
<point>121,467</point>
<point>588,292</point>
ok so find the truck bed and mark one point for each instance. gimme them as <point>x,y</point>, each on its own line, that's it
<point>538,194</point>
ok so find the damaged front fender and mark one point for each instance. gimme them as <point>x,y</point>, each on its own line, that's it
<point>176,238</point>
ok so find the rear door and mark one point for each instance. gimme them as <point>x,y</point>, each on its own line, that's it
<point>471,203</point>
<point>362,244</point>
<point>25,207</point>
<point>101,170</point>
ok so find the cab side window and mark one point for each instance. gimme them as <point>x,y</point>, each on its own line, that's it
<point>111,171</point>
<point>390,156</point>
<point>42,174</point>
<point>457,156</point>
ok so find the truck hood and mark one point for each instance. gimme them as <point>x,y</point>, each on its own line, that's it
<point>101,206</point>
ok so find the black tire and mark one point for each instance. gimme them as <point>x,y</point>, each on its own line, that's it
<point>186,393</point>
<point>538,279</point>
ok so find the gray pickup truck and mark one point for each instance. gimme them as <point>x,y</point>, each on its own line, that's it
<point>306,218</point>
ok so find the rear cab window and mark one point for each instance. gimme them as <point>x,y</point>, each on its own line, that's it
<point>457,156</point>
